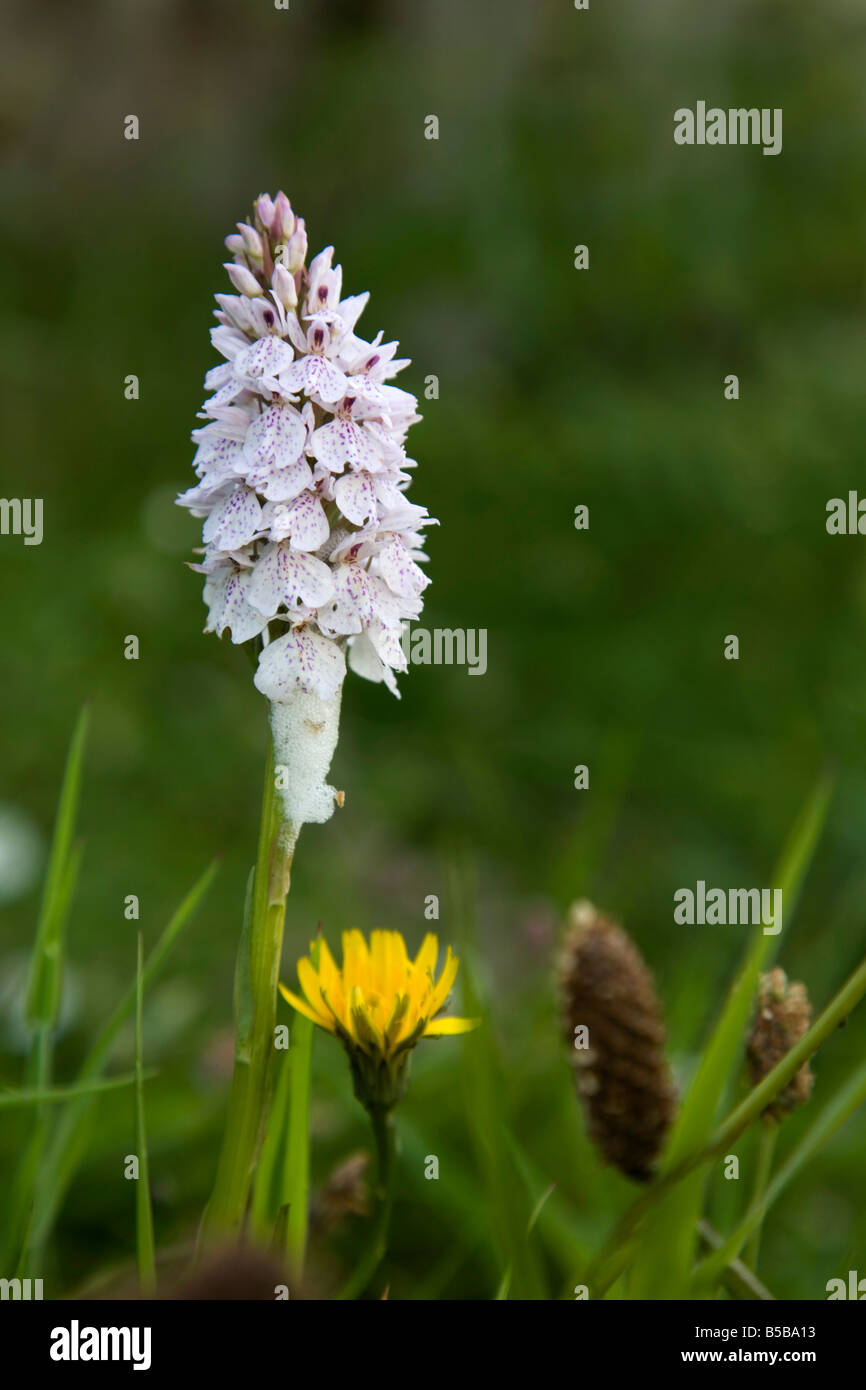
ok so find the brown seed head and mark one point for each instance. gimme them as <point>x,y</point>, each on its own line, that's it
<point>783,1016</point>
<point>613,1022</point>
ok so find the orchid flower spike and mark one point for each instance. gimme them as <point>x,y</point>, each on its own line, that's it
<point>311,547</point>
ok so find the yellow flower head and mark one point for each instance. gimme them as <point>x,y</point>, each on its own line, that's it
<point>379,1005</point>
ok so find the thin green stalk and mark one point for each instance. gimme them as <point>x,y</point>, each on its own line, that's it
<point>738,1279</point>
<point>505,1283</point>
<point>268,1183</point>
<point>255,1004</point>
<point>297,1189</point>
<point>282,1180</point>
<point>763,1168</point>
<point>58,1095</point>
<point>384,1136</point>
<point>143,1209</point>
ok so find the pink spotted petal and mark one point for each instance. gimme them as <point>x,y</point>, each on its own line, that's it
<point>302,659</point>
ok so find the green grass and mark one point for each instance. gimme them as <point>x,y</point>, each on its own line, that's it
<point>44,986</point>
<point>144,1238</point>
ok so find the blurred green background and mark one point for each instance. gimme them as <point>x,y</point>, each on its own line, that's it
<point>557,387</point>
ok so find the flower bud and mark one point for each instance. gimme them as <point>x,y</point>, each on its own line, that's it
<point>296,248</point>
<point>235,244</point>
<point>252,242</point>
<point>243,280</point>
<point>283,222</point>
<point>284,287</point>
<point>265,210</point>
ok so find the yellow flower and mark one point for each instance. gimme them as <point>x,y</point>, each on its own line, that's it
<point>379,1005</point>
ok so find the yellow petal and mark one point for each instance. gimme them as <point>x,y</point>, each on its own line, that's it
<point>443,985</point>
<point>304,1008</point>
<point>443,1027</point>
<point>425,961</point>
<point>396,964</point>
<point>356,962</point>
<point>309,982</point>
<point>379,951</point>
<point>394,1026</point>
<point>364,1026</point>
<point>331,982</point>
<point>327,967</point>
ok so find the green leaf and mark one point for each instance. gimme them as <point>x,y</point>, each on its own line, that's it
<point>143,1209</point>
<point>43,987</point>
<point>267,1188</point>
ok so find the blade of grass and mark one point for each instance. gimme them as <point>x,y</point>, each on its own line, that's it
<point>296,1192</point>
<point>60,1094</point>
<point>69,1139</point>
<point>43,988</point>
<point>667,1246</point>
<point>143,1209</point>
<point>282,1180</point>
<point>738,1279</point>
<point>250,1095</point>
<point>505,1284</point>
<point>268,1177</point>
<point>557,1227</point>
<point>763,1168</point>
<point>44,985</point>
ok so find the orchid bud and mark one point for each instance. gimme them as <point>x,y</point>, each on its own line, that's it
<point>283,223</point>
<point>265,211</point>
<point>296,249</point>
<point>252,242</point>
<point>284,287</point>
<point>243,280</point>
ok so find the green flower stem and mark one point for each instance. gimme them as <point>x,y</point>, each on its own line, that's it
<point>763,1169</point>
<point>256,1006</point>
<point>382,1121</point>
